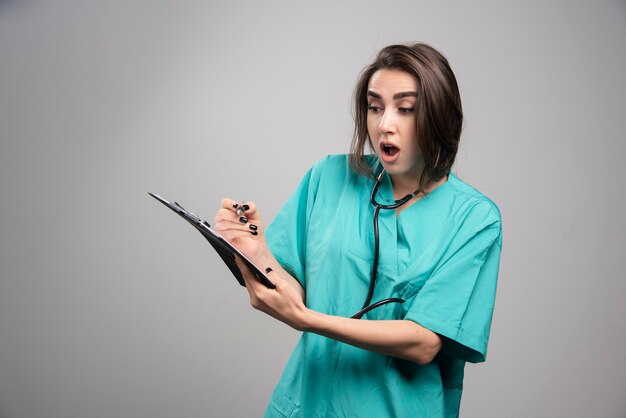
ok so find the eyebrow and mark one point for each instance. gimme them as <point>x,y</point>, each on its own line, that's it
<point>396,96</point>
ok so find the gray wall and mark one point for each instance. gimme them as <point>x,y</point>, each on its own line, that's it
<point>112,307</point>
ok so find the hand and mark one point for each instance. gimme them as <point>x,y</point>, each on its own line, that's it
<point>284,303</point>
<point>244,231</point>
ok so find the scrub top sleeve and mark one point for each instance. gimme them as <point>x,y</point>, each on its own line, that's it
<point>287,234</point>
<point>457,300</point>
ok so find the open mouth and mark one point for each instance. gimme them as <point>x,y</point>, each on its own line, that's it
<point>389,149</point>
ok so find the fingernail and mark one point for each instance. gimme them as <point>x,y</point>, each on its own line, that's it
<point>268,270</point>
<point>253,227</point>
<point>246,207</point>
<point>239,211</point>
<point>243,220</point>
<point>235,205</point>
<point>254,232</point>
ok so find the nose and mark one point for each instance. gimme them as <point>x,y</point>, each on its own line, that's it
<point>387,122</point>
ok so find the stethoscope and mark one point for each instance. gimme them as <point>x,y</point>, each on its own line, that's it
<point>378,206</point>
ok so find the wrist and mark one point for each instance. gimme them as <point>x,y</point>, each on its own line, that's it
<point>309,320</point>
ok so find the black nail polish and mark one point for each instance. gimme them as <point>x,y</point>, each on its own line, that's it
<point>246,207</point>
<point>243,220</point>
<point>268,270</point>
<point>254,232</point>
<point>253,227</point>
<point>235,205</point>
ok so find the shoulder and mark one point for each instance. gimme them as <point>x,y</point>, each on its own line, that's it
<point>473,209</point>
<point>334,168</point>
<point>331,162</point>
<point>470,196</point>
<point>339,164</point>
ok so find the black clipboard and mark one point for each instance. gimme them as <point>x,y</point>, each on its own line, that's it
<point>225,250</point>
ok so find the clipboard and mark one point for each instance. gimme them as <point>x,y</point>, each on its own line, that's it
<point>223,248</point>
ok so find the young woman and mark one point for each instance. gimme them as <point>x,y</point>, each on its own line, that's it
<point>395,227</point>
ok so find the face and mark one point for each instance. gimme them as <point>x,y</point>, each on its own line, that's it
<point>391,97</point>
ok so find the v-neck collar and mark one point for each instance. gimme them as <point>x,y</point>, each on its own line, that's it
<point>388,222</point>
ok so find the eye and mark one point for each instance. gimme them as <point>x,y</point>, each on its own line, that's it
<point>373,108</point>
<point>406,110</point>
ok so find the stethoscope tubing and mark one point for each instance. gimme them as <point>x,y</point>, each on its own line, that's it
<point>377,207</point>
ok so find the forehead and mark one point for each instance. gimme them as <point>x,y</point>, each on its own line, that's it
<point>392,81</point>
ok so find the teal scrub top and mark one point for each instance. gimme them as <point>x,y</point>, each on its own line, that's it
<point>441,255</point>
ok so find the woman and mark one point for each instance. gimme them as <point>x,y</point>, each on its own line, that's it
<point>435,253</point>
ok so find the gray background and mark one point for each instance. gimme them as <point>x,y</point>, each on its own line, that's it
<point>112,307</point>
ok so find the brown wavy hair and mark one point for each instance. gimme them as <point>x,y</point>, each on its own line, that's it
<point>438,111</point>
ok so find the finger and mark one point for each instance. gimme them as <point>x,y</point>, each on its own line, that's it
<point>228,203</point>
<point>246,209</point>
<point>235,236</point>
<point>253,286</point>
<point>249,208</point>
<point>226,222</point>
<point>225,215</point>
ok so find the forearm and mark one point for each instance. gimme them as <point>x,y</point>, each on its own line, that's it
<point>397,338</point>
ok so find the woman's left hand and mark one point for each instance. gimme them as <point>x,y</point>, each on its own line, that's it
<point>284,303</point>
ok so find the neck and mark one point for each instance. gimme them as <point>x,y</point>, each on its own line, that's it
<point>407,182</point>
<point>403,186</point>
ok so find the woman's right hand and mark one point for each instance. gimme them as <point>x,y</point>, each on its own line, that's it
<point>245,230</point>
